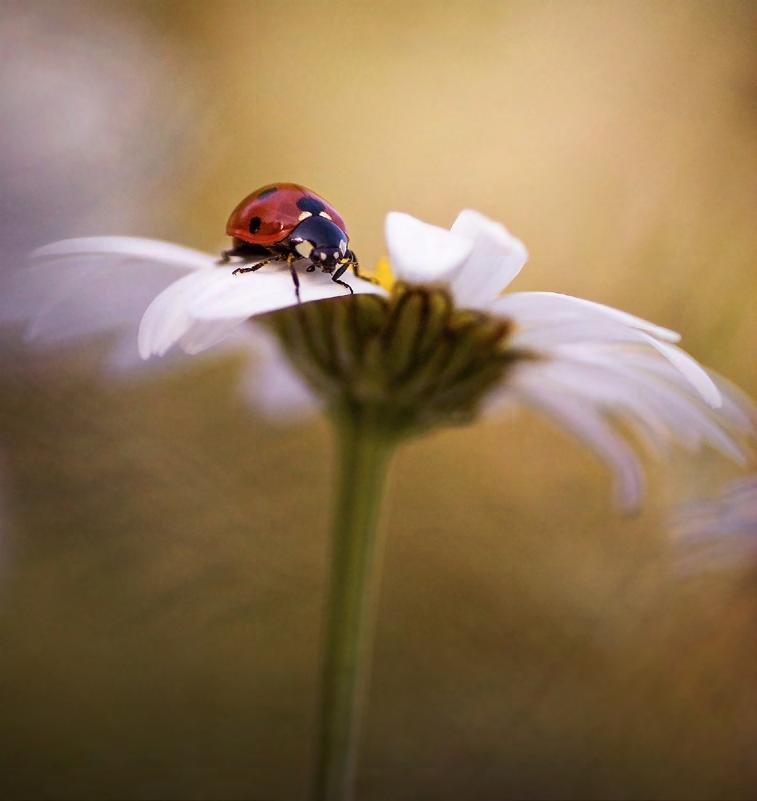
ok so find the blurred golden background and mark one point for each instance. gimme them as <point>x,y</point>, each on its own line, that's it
<point>164,548</point>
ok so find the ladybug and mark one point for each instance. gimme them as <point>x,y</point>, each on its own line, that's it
<point>286,223</point>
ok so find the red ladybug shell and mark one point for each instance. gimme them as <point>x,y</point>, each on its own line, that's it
<point>271,213</point>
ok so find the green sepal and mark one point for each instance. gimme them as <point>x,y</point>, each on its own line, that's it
<point>413,359</point>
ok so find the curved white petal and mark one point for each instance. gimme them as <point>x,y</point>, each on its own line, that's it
<point>737,407</point>
<point>614,389</point>
<point>270,383</point>
<point>167,318</point>
<point>550,336</point>
<point>204,308</point>
<point>497,257</point>
<point>94,285</point>
<point>691,369</point>
<point>587,425</point>
<point>547,336</point>
<point>270,289</point>
<point>204,334</point>
<point>533,308</point>
<point>737,410</point>
<point>598,373</point>
<point>133,247</point>
<point>421,253</point>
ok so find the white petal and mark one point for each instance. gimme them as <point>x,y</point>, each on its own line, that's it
<point>587,425</point>
<point>613,388</point>
<point>549,336</point>
<point>202,309</point>
<point>167,318</point>
<point>153,250</point>
<point>270,289</point>
<point>496,259</point>
<point>545,336</point>
<point>30,292</point>
<point>421,253</point>
<point>691,369</point>
<point>738,410</point>
<point>269,382</point>
<point>83,287</point>
<point>204,334</point>
<point>102,300</point>
<point>531,308</point>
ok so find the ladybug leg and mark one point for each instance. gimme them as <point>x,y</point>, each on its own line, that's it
<point>252,267</point>
<point>291,258</point>
<point>351,261</point>
<point>337,275</point>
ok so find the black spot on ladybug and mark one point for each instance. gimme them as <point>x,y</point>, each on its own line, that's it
<point>268,191</point>
<point>310,204</point>
<point>255,225</point>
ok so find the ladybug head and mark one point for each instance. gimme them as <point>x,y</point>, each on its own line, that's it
<point>321,241</point>
<point>326,257</point>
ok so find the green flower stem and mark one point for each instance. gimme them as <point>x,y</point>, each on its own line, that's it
<point>364,453</point>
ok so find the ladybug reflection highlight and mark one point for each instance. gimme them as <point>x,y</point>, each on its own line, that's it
<point>286,223</point>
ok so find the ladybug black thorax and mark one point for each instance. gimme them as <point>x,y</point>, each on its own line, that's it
<point>319,239</point>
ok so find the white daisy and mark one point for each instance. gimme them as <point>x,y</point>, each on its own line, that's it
<point>586,366</point>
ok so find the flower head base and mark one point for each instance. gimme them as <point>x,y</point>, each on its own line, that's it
<point>413,358</point>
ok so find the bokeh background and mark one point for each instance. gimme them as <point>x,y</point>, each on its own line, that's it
<point>164,547</point>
